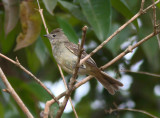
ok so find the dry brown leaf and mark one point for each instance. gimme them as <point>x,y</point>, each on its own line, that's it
<point>31,24</point>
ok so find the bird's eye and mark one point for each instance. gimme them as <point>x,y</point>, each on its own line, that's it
<point>54,35</point>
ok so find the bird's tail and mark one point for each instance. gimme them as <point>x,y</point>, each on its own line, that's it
<point>108,82</point>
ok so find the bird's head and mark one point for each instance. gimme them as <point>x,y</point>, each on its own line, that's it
<point>57,35</point>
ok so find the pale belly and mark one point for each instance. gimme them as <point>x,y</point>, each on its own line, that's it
<point>67,60</point>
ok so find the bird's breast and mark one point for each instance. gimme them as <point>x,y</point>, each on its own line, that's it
<point>64,57</point>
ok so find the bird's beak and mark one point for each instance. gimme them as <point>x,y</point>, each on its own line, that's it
<point>45,35</point>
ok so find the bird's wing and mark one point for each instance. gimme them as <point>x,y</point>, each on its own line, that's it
<point>74,49</point>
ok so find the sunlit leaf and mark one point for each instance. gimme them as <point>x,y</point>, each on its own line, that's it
<point>31,24</point>
<point>98,14</point>
<point>50,5</point>
<point>68,30</point>
<point>11,14</point>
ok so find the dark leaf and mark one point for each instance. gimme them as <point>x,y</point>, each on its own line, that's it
<point>98,14</point>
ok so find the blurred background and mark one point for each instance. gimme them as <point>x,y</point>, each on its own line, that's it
<point>21,35</point>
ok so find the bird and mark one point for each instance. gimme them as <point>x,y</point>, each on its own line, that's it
<point>66,54</point>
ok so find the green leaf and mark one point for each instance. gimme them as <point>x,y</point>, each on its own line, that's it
<point>50,5</point>
<point>68,30</point>
<point>37,90</point>
<point>41,51</point>
<point>151,51</point>
<point>1,111</point>
<point>74,9</point>
<point>124,10</point>
<point>98,14</point>
<point>150,48</point>
<point>33,61</point>
<point>7,43</point>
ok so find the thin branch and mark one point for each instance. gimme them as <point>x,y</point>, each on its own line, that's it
<point>83,81</point>
<point>127,109</point>
<point>155,22</point>
<point>76,86</point>
<point>15,96</point>
<point>142,5</point>
<point>158,38</point>
<point>141,72</point>
<point>47,108</point>
<point>74,110</point>
<point>41,14</point>
<point>117,31</point>
<point>154,17</point>
<point>73,78</point>
<point>17,63</point>
<point>129,49</point>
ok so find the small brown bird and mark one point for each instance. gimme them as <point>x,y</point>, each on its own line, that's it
<point>66,54</point>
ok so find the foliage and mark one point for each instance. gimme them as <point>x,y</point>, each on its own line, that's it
<point>102,17</point>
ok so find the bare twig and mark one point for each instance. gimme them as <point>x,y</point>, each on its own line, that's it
<point>129,49</point>
<point>141,72</point>
<point>127,109</point>
<point>158,40</point>
<point>41,14</point>
<point>17,63</point>
<point>154,17</point>
<point>118,30</point>
<point>75,113</point>
<point>142,5</point>
<point>155,22</point>
<point>15,95</point>
<point>47,108</point>
<point>72,80</point>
